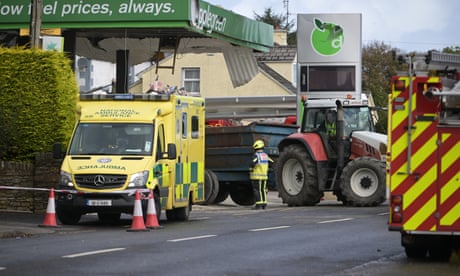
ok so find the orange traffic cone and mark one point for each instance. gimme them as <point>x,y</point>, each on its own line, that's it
<point>50,217</point>
<point>138,219</point>
<point>151,220</point>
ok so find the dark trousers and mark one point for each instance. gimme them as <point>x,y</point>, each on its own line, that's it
<point>260,192</point>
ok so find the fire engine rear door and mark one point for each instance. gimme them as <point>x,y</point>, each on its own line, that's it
<point>449,178</point>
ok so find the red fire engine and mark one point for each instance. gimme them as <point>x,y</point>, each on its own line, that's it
<point>423,160</point>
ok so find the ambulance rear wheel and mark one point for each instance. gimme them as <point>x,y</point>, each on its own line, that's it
<point>242,193</point>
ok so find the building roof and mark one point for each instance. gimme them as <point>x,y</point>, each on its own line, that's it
<point>277,77</point>
<point>286,54</point>
<point>278,54</point>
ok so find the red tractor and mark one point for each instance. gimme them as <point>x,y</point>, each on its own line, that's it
<point>348,160</point>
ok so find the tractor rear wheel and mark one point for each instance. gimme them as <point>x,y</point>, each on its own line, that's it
<point>296,177</point>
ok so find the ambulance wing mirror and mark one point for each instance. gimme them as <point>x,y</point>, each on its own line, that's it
<point>172,154</point>
<point>57,151</point>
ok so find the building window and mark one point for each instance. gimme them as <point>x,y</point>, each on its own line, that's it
<point>191,80</point>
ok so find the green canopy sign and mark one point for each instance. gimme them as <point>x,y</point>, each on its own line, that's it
<point>196,16</point>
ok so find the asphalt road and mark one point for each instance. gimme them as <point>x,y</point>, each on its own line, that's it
<point>328,239</point>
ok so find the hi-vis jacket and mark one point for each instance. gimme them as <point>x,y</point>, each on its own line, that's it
<point>260,165</point>
<point>330,128</point>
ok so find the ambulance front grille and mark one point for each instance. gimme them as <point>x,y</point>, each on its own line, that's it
<point>100,181</point>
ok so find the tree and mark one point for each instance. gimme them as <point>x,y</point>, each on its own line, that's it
<point>452,50</point>
<point>379,65</point>
<point>278,21</point>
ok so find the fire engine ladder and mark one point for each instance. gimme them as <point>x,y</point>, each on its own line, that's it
<point>250,107</point>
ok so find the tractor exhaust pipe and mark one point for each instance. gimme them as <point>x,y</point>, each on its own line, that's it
<point>339,136</point>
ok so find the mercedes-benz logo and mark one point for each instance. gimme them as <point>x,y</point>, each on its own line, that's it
<point>99,180</point>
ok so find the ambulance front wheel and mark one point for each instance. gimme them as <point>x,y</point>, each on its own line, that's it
<point>109,217</point>
<point>68,217</point>
<point>179,214</point>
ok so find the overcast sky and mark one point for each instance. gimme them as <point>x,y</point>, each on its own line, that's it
<point>409,25</point>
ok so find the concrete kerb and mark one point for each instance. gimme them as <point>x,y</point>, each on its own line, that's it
<point>18,224</point>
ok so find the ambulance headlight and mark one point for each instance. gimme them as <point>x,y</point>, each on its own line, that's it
<point>138,179</point>
<point>65,179</point>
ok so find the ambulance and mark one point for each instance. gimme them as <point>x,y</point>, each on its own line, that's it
<point>123,143</point>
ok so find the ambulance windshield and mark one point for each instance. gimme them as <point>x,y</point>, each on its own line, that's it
<point>112,139</point>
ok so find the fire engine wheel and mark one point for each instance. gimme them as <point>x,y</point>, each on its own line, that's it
<point>242,193</point>
<point>363,182</point>
<point>211,186</point>
<point>415,252</point>
<point>68,218</point>
<point>296,177</point>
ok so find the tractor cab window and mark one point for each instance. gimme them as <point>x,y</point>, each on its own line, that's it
<point>315,118</point>
<point>357,119</point>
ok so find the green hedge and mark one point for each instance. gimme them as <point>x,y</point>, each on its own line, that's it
<point>38,93</point>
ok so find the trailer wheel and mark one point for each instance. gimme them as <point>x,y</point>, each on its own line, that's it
<point>363,182</point>
<point>68,218</point>
<point>242,193</point>
<point>223,192</point>
<point>296,177</point>
<point>211,186</point>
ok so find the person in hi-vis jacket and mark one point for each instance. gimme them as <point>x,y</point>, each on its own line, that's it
<point>258,173</point>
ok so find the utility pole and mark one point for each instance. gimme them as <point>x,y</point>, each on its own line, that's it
<point>35,23</point>
<point>286,5</point>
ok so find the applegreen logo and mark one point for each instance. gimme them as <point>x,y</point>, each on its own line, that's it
<point>326,38</point>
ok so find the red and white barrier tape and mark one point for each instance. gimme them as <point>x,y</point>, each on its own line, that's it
<point>129,192</point>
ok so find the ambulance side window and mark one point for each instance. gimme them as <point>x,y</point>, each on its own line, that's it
<point>184,125</point>
<point>195,127</point>
<point>160,142</point>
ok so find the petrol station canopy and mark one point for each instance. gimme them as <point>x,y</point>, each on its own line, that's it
<point>147,29</point>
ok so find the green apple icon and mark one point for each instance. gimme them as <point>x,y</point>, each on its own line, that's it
<point>326,38</point>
